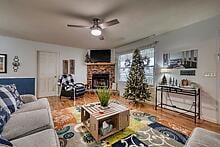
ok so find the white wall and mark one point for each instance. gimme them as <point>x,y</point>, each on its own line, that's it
<point>27,52</point>
<point>79,56</point>
<point>203,36</point>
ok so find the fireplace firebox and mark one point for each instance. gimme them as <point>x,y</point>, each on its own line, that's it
<point>103,69</point>
<point>100,80</point>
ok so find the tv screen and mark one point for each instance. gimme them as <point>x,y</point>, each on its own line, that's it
<point>100,55</point>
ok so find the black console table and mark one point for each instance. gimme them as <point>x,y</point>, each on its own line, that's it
<point>194,92</point>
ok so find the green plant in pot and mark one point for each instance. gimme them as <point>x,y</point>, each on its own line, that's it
<point>104,96</point>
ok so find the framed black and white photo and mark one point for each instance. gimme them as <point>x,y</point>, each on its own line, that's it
<point>165,59</point>
<point>186,59</point>
<point>3,63</point>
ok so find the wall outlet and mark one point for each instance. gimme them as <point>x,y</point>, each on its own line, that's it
<point>209,74</point>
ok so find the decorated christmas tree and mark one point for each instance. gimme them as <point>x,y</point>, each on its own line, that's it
<point>137,87</point>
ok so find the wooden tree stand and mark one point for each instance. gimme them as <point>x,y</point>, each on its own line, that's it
<point>93,117</point>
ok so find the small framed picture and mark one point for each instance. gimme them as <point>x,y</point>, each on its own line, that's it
<point>65,66</point>
<point>3,63</point>
<point>72,66</point>
<point>165,59</point>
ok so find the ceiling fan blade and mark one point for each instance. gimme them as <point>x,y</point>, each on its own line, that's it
<point>109,23</point>
<point>78,26</point>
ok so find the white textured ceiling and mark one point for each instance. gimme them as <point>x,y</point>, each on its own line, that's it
<point>46,20</point>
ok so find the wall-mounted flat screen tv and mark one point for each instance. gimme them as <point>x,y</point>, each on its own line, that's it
<point>100,55</point>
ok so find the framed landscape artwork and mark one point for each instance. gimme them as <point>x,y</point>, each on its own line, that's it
<point>72,66</point>
<point>65,66</point>
<point>3,63</point>
<point>69,66</point>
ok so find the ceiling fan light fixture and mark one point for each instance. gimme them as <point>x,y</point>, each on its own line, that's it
<point>96,31</point>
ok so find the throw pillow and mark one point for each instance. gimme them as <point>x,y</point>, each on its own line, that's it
<point>7,100</point>
<point>4,142</point>
<point>4,117</point>
<point>13,89</point>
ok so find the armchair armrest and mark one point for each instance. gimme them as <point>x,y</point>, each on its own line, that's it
<point>27,98</point>
<point>79,84</point>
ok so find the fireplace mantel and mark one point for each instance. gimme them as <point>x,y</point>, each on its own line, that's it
<point>100,68</point>
<point>100,63</point>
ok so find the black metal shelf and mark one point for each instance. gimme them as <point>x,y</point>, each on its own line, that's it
<point>181,91</point>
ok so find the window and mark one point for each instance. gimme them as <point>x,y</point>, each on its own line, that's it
<point>125,60</point>
<point>124,64</point>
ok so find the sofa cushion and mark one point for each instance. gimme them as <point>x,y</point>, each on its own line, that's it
<point>5,142</point>
<point>22,124</point>
<point>46,138</point>
<point>27,98</point>
<point>203,138</point>
<point>7,100</point>
<point>4,117</point>
<point>36,105</point>
<point>13,89</point>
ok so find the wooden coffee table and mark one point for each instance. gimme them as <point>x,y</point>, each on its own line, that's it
<point>92,116</point>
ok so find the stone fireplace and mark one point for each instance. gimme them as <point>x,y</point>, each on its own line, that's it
<point>100,74</point>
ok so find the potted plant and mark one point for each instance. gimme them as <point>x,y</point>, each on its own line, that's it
<point>104,96</point>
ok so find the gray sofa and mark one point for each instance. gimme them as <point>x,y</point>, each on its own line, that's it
<point>203,138</point>
<point>31,125</point>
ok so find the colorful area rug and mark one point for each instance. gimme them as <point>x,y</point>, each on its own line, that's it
<point>169,132</point>
<point>72,132</point>
<point>129,141</point>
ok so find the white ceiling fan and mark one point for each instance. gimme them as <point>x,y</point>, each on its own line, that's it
<point>97,26</point>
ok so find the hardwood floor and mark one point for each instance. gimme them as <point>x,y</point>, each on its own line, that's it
<point>165,116</point>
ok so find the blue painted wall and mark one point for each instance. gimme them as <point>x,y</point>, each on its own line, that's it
<point>24,85</point>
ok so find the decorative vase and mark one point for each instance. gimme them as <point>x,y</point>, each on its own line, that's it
<point>104,107</point>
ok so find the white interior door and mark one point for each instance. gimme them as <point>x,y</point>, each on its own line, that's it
<point>218,81</point>
<point>47,74</point>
